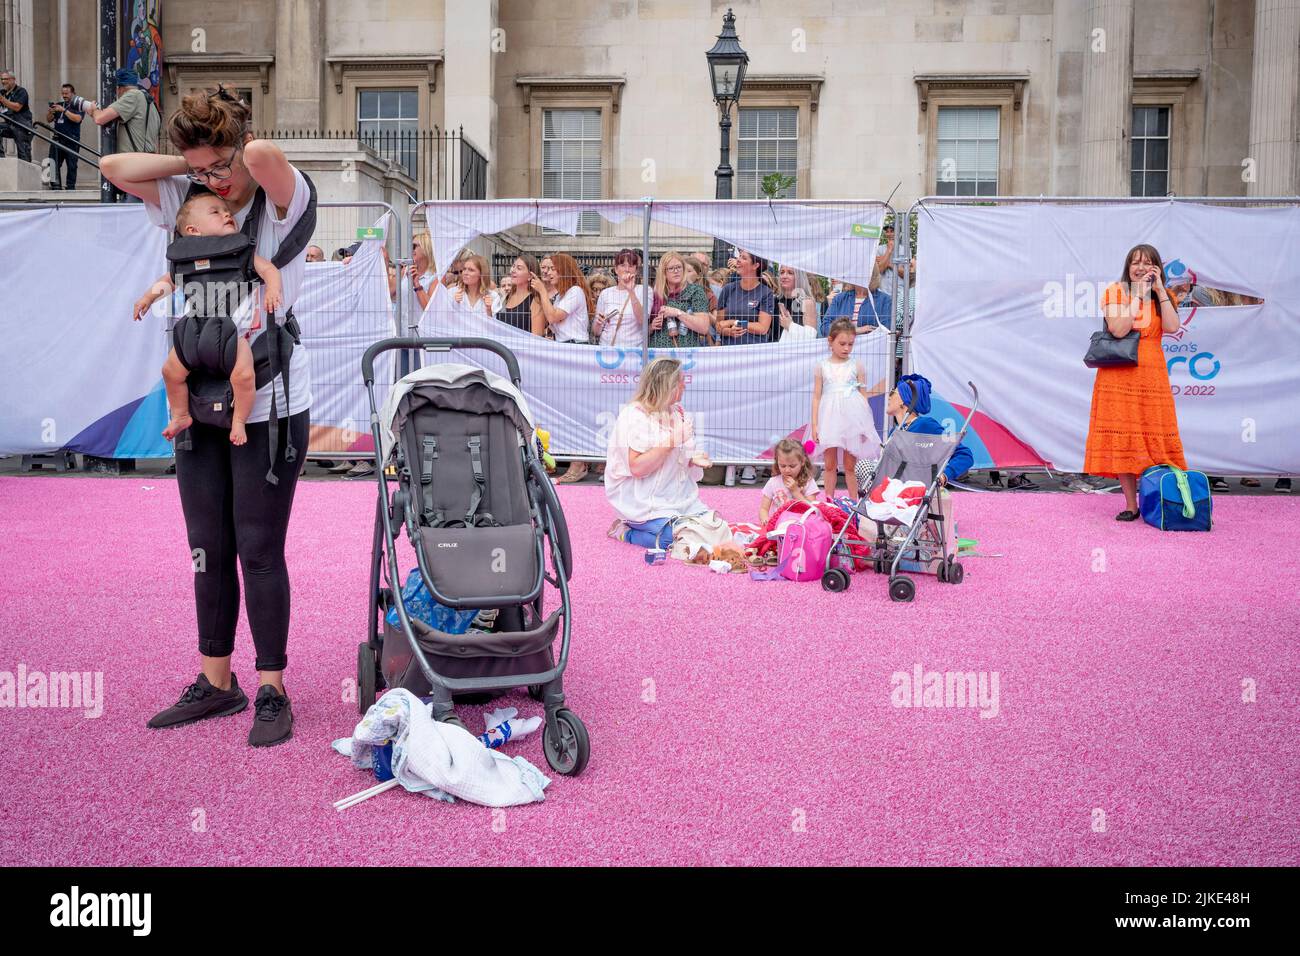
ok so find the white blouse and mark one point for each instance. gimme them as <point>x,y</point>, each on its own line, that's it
<point>670,490</point>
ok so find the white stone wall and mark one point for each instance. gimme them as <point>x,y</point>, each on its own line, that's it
<point>867,136</point>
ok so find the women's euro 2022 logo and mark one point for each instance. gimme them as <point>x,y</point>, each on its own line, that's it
<point>1182,354</point>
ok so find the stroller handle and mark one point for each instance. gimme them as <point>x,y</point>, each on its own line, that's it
<point>437,345</point>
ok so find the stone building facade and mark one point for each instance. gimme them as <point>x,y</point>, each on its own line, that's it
<point>852,98</point>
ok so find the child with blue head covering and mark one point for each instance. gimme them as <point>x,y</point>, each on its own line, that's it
<point>909,405</point>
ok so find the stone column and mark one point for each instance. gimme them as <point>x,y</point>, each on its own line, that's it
<point>1274,88</point>
<point>17,43</point>
<point>299,64</point>
<point>469,75</point>
<point>1107,99</point>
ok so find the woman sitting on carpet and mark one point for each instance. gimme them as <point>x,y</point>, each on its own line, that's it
<point>652,464</point>
<point>1133,425</point>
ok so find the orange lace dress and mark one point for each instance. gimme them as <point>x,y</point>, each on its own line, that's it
<point>1133,425</point>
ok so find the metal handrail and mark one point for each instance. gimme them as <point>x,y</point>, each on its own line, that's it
<point>71,139</point>
<point>41,136</point>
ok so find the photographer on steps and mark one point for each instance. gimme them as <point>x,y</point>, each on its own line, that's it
<point>66,115</point>
<point>138,115</point>
<point>14,102</point>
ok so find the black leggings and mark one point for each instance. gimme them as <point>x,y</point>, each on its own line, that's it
<point>232,510</point>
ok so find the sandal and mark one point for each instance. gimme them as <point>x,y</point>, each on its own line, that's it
<point>1021,483</point>
<point>572,476</point>
<point>1127,516</point>
<point>1250,482</point>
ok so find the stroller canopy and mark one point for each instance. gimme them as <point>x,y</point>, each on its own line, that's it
<point>456,385</point>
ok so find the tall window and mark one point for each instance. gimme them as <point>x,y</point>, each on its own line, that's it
<point>768,143</point>
<point>967,151</point>
<point>388,121</point>
<point>1150,168</point>
<point>571,160</point>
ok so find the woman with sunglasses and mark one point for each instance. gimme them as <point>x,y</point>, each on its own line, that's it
<point>231,510</point>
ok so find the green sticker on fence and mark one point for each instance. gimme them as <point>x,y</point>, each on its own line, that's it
<point>863,231</point>
<point>369,232</point>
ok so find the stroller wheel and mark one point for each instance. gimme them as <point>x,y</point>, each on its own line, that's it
<point>941,572</point>
<point>568,750</point>
<point>835,580</point>
<point>955,573</point>
<point>367,677</point>
<point>902,589</point>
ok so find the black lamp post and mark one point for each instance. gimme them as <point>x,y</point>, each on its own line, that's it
<point>727,64</point>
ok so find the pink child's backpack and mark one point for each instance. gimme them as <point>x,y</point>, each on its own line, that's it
<point>805,546</point>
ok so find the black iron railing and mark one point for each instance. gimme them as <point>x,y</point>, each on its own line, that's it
<point>443,163</point>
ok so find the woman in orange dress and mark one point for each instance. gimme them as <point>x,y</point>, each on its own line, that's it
<point>1133,425</point>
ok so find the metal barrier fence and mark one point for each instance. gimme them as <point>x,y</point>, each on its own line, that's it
<point>348,309</point>
<point>920,206</point>
<point>831,238</point>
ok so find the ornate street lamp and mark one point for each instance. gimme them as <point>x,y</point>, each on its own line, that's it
<point>727,64</point>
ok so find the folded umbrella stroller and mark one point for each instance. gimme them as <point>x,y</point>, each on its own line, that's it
<point>483,519</point>
<point>918,534</point>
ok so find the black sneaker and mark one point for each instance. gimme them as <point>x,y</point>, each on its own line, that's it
<point>199,702</point>
<point>1283,485</point>
<point>274,721</point>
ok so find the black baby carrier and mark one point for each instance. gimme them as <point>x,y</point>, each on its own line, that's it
<point>216,274</point>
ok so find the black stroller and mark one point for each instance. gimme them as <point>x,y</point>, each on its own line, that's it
<point>928,542</point>
<point>480,513</point>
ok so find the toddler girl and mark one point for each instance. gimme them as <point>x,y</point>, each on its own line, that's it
<point>841,418</point>
<point>792,479</point>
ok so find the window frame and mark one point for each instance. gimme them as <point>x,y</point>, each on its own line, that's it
<point>1187,155</point>
<point>777,92</point>
<point>543,110</point>
<point>1006,92</point>
<point>799,139</point>
<point>1169,150</point>
<point>1000,146</point>
<point>541,94</point>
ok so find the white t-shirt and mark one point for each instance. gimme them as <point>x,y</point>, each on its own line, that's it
<point>574,326</point>
<point>667,492</point>
<point>626,332</point>
<point>411,310</point>
<point>171,194</point>
<point>776,492</point>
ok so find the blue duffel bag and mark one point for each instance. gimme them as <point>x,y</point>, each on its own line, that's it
<point>1175,500</point>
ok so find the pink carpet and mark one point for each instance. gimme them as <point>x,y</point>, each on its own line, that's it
<point>771,738</point>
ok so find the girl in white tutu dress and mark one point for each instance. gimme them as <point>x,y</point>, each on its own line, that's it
<point>841,419</point>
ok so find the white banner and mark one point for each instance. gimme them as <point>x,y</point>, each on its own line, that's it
<point>1007,297</point>
<point>745,398</point>
<point>77,373</point>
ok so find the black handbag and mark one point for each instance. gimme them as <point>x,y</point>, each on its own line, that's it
<point>1107,351</point>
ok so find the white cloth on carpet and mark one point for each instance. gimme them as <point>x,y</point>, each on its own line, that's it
<point>441,759</point>
<point>693,532</point>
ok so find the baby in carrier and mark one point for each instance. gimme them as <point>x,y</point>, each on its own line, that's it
<point>207,215</point>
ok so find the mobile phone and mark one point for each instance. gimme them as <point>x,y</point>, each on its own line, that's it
<point>742,324</point>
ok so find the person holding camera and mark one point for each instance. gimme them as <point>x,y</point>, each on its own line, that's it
<point>746,305</point>
<point>66,116</point>
<point>1132,424</point>
<point>14,103</point>
<point>138,116</point>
